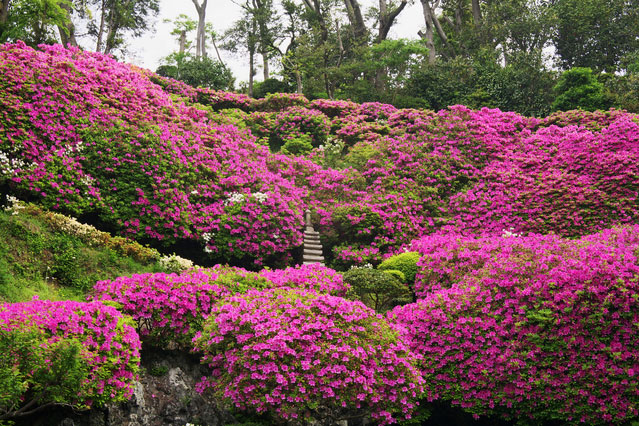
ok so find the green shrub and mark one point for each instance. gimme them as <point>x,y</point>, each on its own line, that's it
<point>404,262</point>
<point>578,88</point>
<point>238,280</point>
<point>299,145</point>
<point>377,289</point>
<point>51,370</point>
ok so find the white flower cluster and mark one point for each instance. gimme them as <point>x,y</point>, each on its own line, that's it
<point>8,166</point>
<point>237,197</point>
<point>260,197</point>
<point>364,266</point>
<point>13,205</point>
<point>234,198</point>
<point>175,263</point>
<point>509,233</point>
<point>207,238</point>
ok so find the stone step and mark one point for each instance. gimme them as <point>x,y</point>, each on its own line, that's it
<point>313,233</point>
<point>312,241</point>
<point>314,258</point>
<point>310,263</point>
<point>313,249</point>
<point>312,252</point>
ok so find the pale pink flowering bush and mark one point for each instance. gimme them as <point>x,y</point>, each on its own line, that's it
<point>311,277</point>
<point>304,356</point>
<point>535,326</point>
<point>109,352</point>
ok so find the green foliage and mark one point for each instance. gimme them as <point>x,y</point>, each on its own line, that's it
<point>356,223</point>
<point>377,289</point>
<point>51,371</point>
<point>197,72</point>
<point>300,145</point>
<point>239,280</point>
<point>404,262</point>
<point>272,85</point>
<point>34,21</point>
<point>42,254</point>
<point>595,33</point>
<point>578,88</point>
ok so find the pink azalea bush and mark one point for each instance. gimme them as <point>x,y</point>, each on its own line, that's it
<point>88,135</point>
<point>295,121</point>
<point>167,307</point>
<point>530,327</point>
<point>310,277</point>
<point>97,340</point>
<point>305,356</point>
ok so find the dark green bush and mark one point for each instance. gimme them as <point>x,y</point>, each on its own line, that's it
<point>299,145</point>
<point>578,88</point>
<point>377,289</point>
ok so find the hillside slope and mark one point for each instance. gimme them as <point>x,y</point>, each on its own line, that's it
<point>190,170</point>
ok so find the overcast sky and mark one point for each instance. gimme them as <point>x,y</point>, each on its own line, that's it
<point>148,50</point>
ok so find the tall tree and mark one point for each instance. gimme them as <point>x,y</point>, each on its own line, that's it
<point>34,21</point>
<point>388,12</point>
<point>243,37</point>
<point>200,49</point>
<point>268,27</point>
<point>182,27</point>
<point>596,33</point>
<point>118,17</point>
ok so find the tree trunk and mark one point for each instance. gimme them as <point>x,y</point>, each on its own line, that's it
<point>67,33</point>
<point>429,35</point>
<point>251,72</point>
<point>98,46</point>
<point>111,34</point>
<point>200,46</point>
<point>4,11</point>
<point>298,81</point>
<point>387,19</point>
<point>265,64</point>
<point>182,42</point>
<point>216,50</point>
<point>476,13</point>
<point>356,20</point>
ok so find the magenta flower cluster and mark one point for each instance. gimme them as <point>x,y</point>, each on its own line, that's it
<point>303,356</point>
<point>167,307</point>
<point>536,326</point>
<point>310,277</point>
<point>110,345</point>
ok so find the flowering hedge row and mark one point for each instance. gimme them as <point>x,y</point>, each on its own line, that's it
<point>535,326</point>
<point>303,356</point>
<point>171,308</point>
<point>78,354</point>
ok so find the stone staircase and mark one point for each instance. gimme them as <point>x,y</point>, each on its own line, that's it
<point>312,245</point>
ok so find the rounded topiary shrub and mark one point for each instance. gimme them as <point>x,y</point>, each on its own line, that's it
<point>532,327</point>
<point>303,356</point>
<point>379,290</point>
<point>404,262</point>
<point>64,353</point>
